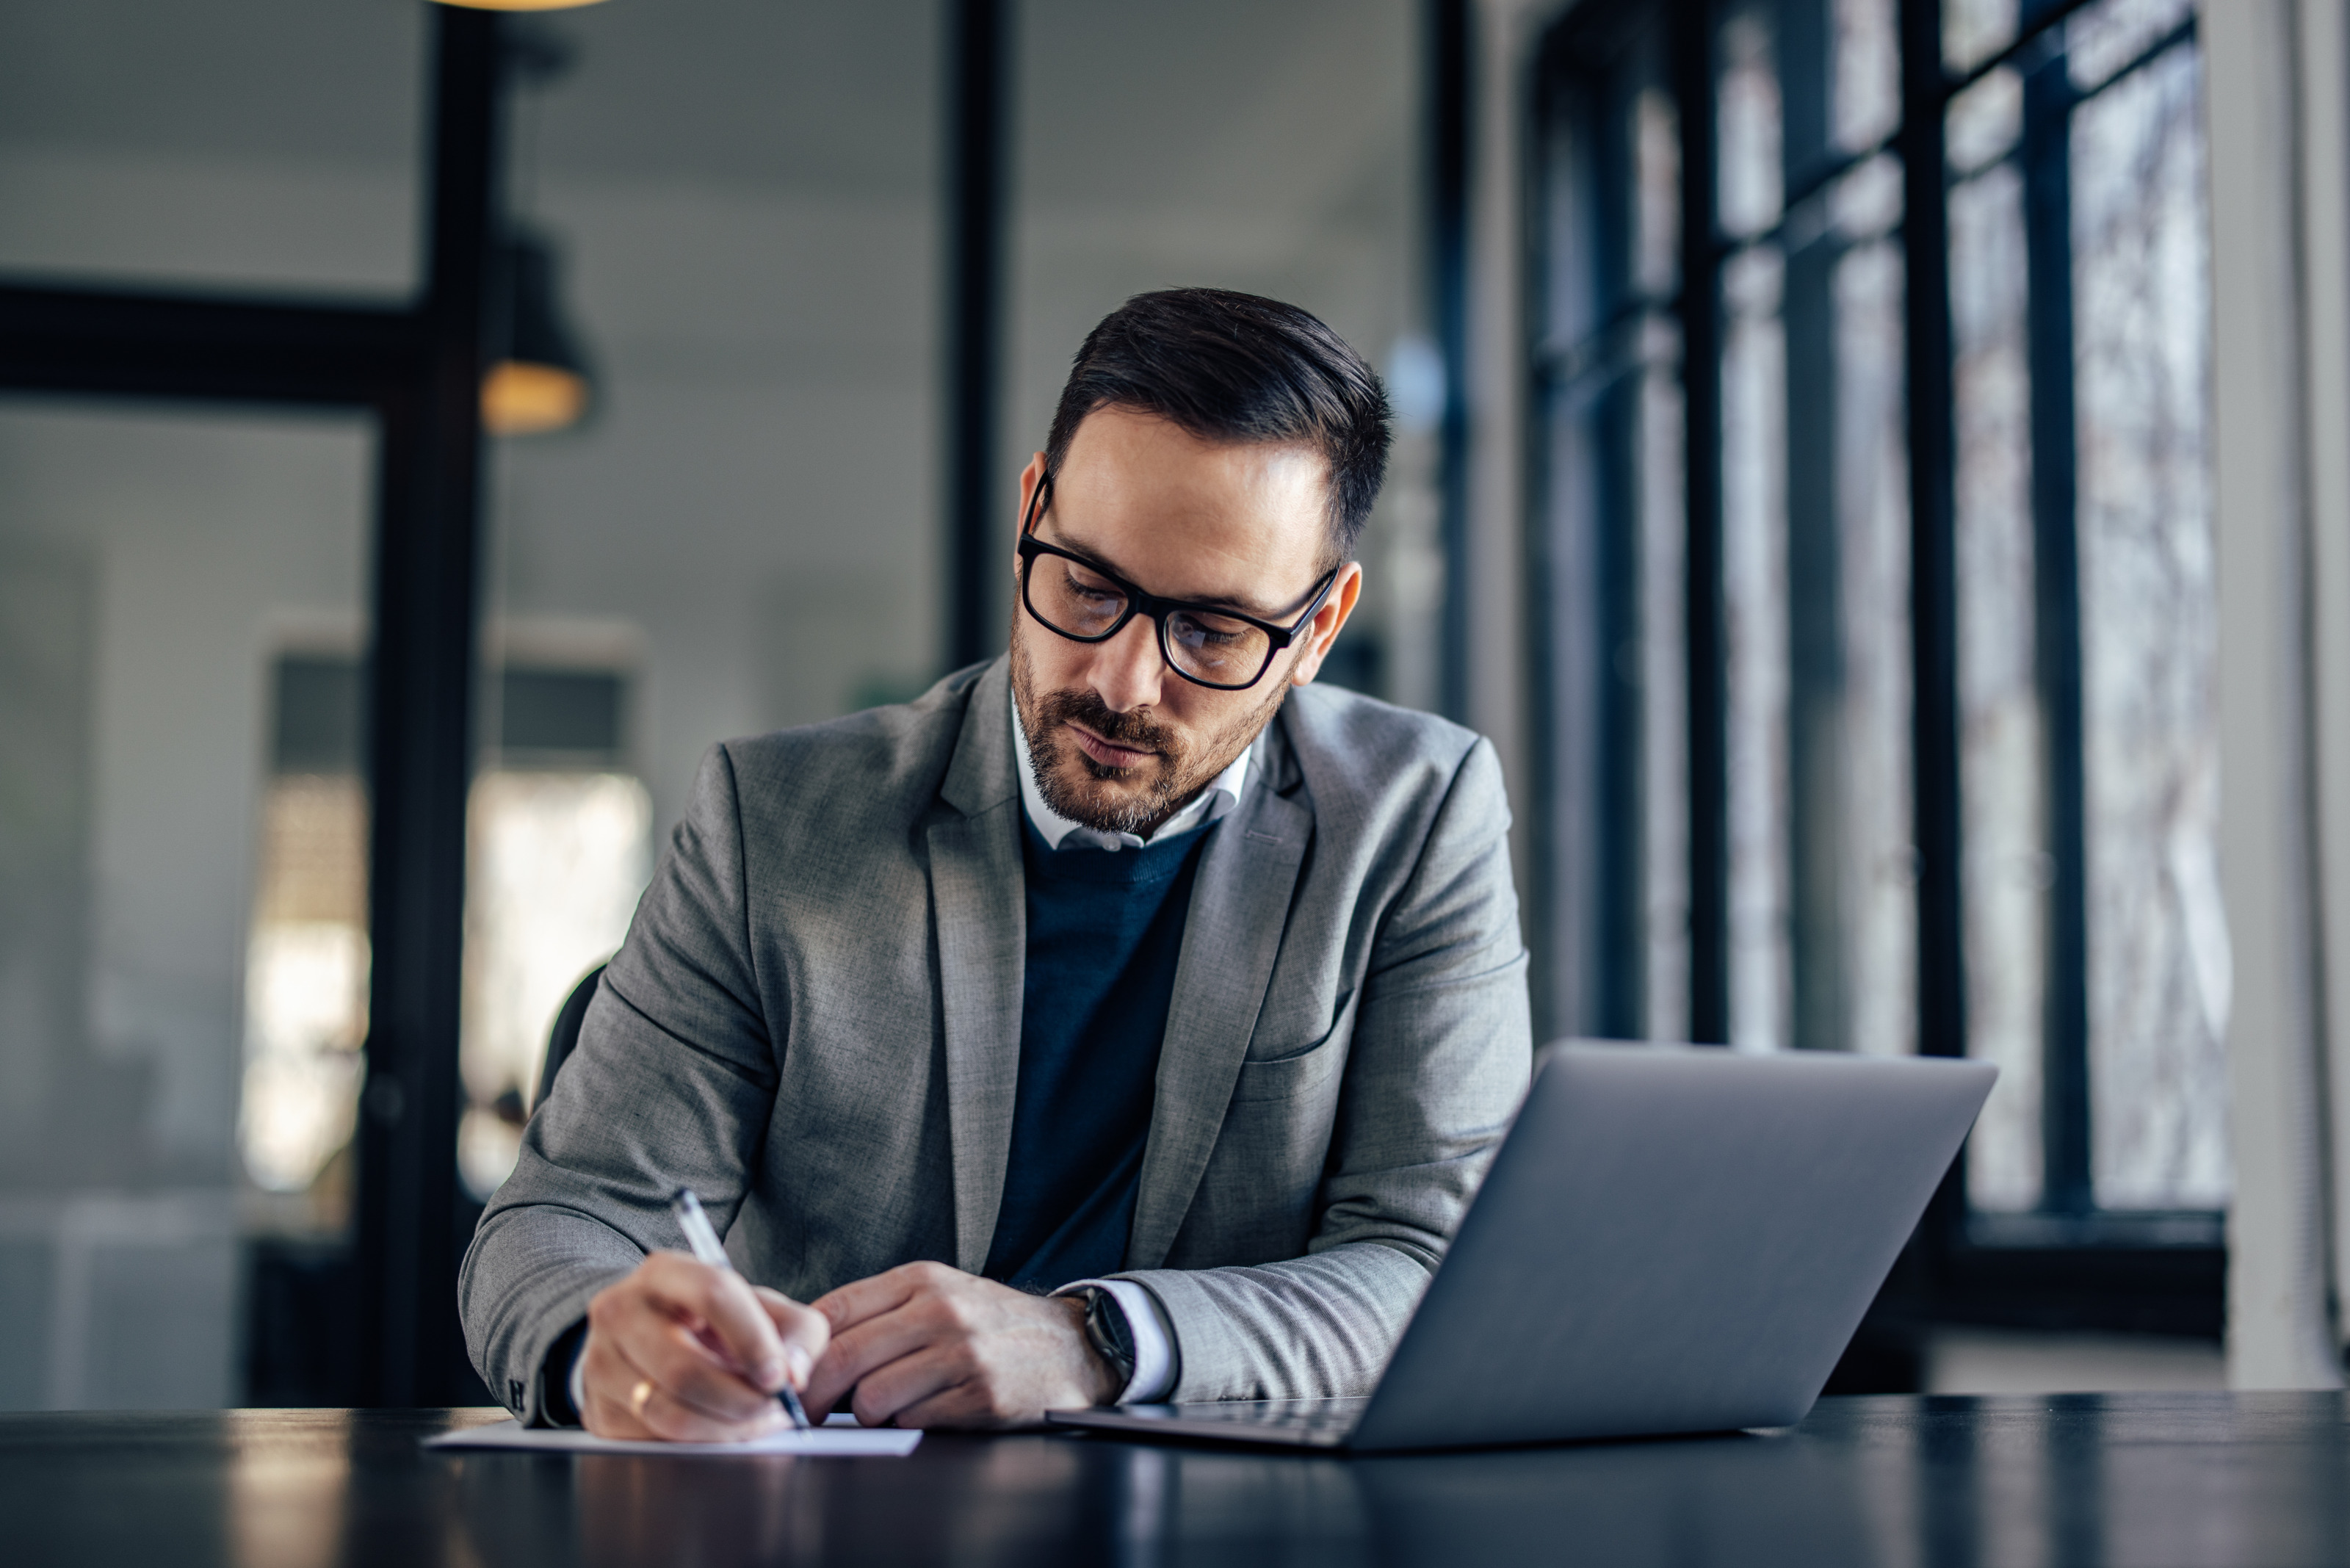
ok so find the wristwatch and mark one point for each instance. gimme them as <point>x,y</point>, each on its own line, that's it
<point>1106,1331</point>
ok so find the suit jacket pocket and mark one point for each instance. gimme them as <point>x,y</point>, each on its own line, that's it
<point>1301,1071</point>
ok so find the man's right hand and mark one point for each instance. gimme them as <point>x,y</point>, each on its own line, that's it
<point>688,1353</point>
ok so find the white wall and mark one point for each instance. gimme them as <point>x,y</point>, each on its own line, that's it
<point>2278,73</point>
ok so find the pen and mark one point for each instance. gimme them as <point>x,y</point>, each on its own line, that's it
<point>706,1248</point>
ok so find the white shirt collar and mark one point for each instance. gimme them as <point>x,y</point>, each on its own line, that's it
<point>1222,792</point>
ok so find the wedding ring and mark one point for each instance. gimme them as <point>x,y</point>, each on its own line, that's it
<point>638,1395</point>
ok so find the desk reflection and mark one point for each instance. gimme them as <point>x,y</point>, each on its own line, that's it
<point>2135,1478</point>
<point>1893,1482</point>
<point>1013,1499</point>
<point>963,1499</point>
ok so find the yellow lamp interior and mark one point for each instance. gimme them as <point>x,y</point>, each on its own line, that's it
<point>520,4</point>
<point>523,399</point>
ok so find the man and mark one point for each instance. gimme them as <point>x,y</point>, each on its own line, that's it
<point>1100,970</point>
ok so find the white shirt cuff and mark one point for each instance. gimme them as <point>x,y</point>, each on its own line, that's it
<point>1153,1337</point>
<point>578,1386</point>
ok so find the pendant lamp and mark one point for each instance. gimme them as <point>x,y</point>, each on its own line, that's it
<point>539,380</point>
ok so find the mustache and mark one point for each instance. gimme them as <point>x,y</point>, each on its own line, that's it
<point>1132,729</point>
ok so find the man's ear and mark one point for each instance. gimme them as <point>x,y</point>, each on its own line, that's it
<point>1323,629</point>
<point>1030,477</point>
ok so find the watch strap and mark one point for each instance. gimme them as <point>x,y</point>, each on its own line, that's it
<point>1107,1332</point>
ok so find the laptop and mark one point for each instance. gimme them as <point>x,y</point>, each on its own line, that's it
<point>1670,1239</point>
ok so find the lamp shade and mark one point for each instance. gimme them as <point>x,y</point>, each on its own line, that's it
<point>519,4</point>
<point>538,379</point>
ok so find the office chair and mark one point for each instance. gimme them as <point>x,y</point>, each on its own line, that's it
<point>566,1033</point>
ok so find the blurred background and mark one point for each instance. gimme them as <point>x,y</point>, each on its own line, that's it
<point>425,430</point>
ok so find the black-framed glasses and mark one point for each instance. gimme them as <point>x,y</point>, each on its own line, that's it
<point>1219,648</point>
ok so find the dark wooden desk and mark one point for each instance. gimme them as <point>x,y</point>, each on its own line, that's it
<point>2247,1481</point>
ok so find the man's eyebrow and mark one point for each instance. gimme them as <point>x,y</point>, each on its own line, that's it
<point>1093,558</point>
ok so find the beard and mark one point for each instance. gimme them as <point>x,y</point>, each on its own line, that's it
<point>1130,799</point>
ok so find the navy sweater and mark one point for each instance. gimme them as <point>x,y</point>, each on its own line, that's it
<point>1104,928</point>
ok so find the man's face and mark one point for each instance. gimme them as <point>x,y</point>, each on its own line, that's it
<point>1120,742</point>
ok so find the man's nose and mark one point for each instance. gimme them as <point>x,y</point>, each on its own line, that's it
<point>1127,669</point>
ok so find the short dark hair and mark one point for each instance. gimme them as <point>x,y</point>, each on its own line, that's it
<point>1237,367</point>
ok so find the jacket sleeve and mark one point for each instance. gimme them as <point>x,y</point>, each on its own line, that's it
<point>1438,1063</point>
<point>672,1084</point>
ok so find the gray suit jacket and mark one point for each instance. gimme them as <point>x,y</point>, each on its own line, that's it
<point>815,1022</point>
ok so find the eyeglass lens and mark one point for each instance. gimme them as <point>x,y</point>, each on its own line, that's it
<point>1216,649</point>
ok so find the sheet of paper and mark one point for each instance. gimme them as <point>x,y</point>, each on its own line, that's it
<point>832,1438</point>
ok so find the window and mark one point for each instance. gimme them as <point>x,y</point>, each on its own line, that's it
<point>305,994</point>
<point>1873,582</point>
<point>561,846</point>
<point>559,849</point>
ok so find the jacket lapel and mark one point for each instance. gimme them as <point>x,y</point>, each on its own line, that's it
<point>1240,908</point>
<point>978,904</point>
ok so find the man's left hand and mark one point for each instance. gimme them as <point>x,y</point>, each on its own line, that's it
<point>928,1346</point>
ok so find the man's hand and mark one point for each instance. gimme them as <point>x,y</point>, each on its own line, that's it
<point>928,1346</point>
<point>691,1353</point>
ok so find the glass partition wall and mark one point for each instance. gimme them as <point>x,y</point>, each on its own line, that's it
<point>268,145</point>
<point>730,209</point>
<point>1277,150</point>
<point>744,532</point>
<point>185,931</point>
<point>184,934</point>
